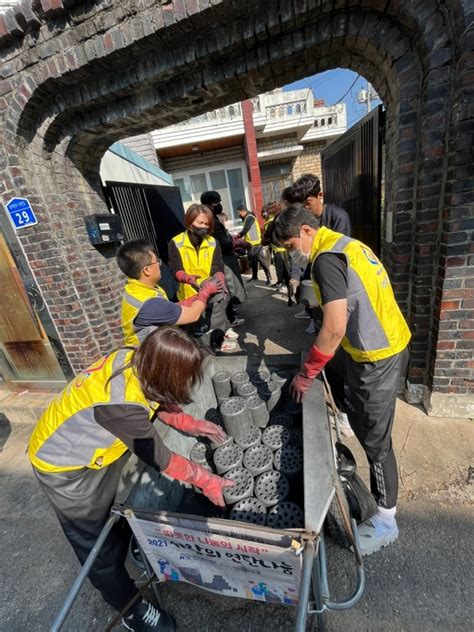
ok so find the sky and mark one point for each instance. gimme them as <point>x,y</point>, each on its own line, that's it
<point>332,85</point>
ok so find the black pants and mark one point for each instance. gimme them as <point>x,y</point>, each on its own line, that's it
<point>216,319</point>
<point>282,267</point>
<point>256,256</point>
<point>82,500</point>
<point>370,394</point>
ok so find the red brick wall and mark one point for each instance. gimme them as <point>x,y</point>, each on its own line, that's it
<point>77,76</point>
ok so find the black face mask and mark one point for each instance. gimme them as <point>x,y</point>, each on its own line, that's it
<point>217,208</point>
<point>199,232</point>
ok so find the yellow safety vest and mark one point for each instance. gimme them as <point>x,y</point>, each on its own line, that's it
<point>272,246</point>
<point>254,235</point>
<point>375,327</point>
<point>67,437</point>
<point>194,261</point>
<point>135,294</point>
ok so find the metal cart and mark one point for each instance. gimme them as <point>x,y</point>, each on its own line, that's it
<point>144,495</point>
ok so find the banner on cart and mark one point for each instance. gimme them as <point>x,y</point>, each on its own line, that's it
<point>222,564</point>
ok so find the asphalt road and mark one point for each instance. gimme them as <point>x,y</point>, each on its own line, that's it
<point>423,582</point>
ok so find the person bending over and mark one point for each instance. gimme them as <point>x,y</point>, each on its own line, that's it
<point>86,435</point>
<point>360,313</point>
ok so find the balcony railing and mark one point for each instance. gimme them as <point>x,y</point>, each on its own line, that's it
<point>229,113</point>
<point>270,108</point>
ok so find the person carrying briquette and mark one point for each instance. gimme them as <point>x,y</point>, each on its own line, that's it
<point>84,439</point>
<point>281,260</point>
<point>252,234</point>
<point>145,304</point>
<point>194,258</point>
<point>360,313</point>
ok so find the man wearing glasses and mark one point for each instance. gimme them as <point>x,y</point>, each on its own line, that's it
<point>145,305</point>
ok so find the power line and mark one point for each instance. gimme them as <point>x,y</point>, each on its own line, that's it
<point>347,92</point>
<point>320,83</point>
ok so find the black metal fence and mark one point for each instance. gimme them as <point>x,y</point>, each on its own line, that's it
<point>151,212</point>
<point>352,176</point>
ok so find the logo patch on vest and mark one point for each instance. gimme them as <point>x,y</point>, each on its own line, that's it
<point>88,372</point>
<point>369,255</point>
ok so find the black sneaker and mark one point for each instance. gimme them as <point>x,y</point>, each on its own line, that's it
<point>147,618</point>
<point>252,279</point>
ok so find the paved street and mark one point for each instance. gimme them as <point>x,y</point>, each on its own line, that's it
<point>424,582</point>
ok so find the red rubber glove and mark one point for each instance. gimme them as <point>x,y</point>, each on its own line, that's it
<point>314,363</point>
<point>183,470</point>
<point>196,427</point>
<point>207,289</point>
<point>190,279</point>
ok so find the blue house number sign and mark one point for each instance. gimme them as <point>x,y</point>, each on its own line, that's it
<point>21,213</point>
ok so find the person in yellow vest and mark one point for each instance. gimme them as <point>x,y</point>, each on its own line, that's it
<point>280,256</point>
<point>194,257</point>
<point>84,438</point>
<point>253,235</point>
<point>360,313</point>
<point>145,304</point>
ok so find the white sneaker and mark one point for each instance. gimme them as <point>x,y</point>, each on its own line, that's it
<point>302,314</point>
<point>227,345</point>
<point>344,425</point>
<point>370,542</point>
<point>237,322</point>
<point>230,334</point>
<point>311,329</point>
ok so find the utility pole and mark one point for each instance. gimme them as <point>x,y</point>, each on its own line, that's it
<point>367,96</point>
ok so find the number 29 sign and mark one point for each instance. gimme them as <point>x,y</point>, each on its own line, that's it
<point>21,213</point>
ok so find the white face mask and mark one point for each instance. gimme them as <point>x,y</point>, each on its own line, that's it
<point>300,258</point>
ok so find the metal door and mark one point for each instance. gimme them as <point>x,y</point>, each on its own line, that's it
<point>352,176</point>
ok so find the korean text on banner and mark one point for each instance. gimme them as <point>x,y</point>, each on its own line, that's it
<point>222,564</point>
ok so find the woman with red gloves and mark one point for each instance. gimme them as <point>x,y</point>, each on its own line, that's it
<point>84,438</point>
<point>194,257</point>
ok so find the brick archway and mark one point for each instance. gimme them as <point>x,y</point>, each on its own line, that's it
<point>68,93</point>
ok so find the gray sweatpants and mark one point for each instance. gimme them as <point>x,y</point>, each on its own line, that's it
<point>370,390</point>
<point>82,500</point>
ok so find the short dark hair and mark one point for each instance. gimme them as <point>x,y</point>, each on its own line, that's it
<point>286,194</point>
<point>210,197</point>
<point>133,256</point>
<point>241,207</point>
<point>288,223</point>
<point>306,186</point>
<point>198,209</point>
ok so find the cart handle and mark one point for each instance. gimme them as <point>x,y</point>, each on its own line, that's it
<point>81,578</point>
<point>309,553</point>
<point>357,594</point>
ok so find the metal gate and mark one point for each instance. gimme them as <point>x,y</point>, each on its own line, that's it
<point>352,176</point>
<point>150,212</point>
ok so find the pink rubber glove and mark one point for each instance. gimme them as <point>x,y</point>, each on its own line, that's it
<point>211,485</point>
<point>208,289</point>
<point>190,279</point>
<point>196,427</point>
<point>314,363</point>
